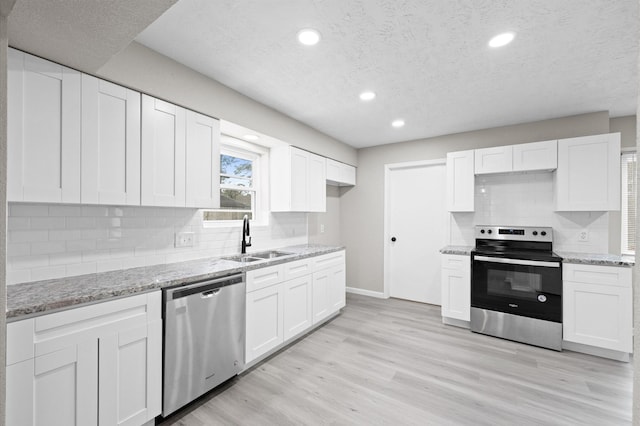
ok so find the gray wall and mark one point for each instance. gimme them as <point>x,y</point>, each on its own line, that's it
<point>330,219</point>
<point>145,70</point>
<point>362,218</point>
<point>627,127</point>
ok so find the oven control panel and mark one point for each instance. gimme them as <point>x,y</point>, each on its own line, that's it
<point>516,233</point>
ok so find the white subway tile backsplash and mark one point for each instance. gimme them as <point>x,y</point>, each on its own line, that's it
<point>28,210</point>
<point>28,236</point>
<point>48,273</point>
<point>70,240</point>
<point>48,247</point>
<point>18,223</point>
<point>527,199</point>
<point>81,269</point>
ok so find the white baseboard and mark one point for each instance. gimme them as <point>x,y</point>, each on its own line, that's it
<point>595,351</point>
<point>456,322</point>
<point>363,292</point>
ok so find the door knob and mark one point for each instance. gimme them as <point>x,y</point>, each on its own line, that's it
<point>393,239</point>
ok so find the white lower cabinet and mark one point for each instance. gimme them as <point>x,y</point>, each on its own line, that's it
<point>264,316</point>
<point>283,301</point>
<point>456,286</point>
<point>99,364</point>
<point>298,305</point>
<point>597,306</point>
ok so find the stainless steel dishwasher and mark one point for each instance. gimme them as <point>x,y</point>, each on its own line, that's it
<point>204,328</point>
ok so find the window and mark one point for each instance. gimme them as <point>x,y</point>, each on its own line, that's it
<point>628,195</point>
<point>242,182</point>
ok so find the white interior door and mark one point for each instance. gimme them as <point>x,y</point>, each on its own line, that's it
<point>416,220</point>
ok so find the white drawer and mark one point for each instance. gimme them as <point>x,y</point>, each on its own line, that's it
<point>329,260</point>
<point>298,268</point>
<point>264,277</point>
<point>457,262</point>
<point>597,274</point>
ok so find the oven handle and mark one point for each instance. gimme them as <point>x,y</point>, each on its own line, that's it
<point>517,261</point>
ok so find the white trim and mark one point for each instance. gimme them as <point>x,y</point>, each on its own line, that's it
<point>370,293</point>
<point>386,236</point>
<point>625,150</point>
<point>595,351</point>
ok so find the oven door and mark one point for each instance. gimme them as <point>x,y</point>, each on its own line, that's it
<point>531,288</point>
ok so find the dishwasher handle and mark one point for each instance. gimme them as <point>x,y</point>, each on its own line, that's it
<point>209,293</point>
<point>207,288</point>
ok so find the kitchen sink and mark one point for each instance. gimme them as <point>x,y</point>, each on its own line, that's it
<point>243,258</point>
<point>271,254</point>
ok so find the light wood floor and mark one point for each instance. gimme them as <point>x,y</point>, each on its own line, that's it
<point>392,362</point>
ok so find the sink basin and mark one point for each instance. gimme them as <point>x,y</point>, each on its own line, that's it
<point>271,254</point>
<point>243,258</point>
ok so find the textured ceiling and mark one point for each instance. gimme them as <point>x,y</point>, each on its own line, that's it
<point>80,33</point>
<point>427,60</point>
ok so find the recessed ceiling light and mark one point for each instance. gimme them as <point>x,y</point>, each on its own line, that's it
<point>367,96</point>
<point>398,123</point>
<point>501,40</point>
<point>251,137</point>
<point>308,37</point>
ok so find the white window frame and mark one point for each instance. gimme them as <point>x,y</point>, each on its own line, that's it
<point>624,248</point>
<point>259,156</point>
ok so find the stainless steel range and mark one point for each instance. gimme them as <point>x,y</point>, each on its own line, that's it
<point>516,285</point>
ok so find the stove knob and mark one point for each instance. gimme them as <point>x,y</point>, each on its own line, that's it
<point>489,231</point>
<point>543,233</point>
<point>535,233</point>
<point>482,231</point>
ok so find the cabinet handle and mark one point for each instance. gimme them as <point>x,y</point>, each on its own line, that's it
<point>393,239</point>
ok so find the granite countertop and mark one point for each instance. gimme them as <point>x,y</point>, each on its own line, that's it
<point>596,258</point>
<point>463,250</point>
<point>42,297</point>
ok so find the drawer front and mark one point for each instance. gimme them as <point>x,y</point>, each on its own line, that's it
<point>329,260</point>
<point>456,262</point>
<point>298,268</point>
<point>264,277</point>
<point>597,274</point>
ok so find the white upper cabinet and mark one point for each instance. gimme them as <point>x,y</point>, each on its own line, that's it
<point>535,156</point>
<point>110,166</point>
<point>163,153</point>
<point>43,130</point>
<point>460,181</point>
<point>203,161</point>
<point>588,175</point>
<point>494,160</point>
<point>340,174</point>
<point>298,181</point>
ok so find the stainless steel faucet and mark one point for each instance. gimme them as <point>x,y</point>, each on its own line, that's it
<point>246,234</point>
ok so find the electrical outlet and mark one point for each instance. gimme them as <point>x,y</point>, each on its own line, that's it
<point>184,239</point>
<point>583,235</point>
<point>322,228</point>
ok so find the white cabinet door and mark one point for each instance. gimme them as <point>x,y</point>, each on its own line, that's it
<point>298,180</point>
<point>163,153</point>
<point>535,156</point>
<point>297,305</point>
<point>588,175</point>
<point>43,130</point>
<point>110,143</point>
<point>264,321</point>
<point>130,374</point>
<point>59,388</point>
<point>337,288</point>
<point>460,181</point>
<point>456,287</point>
<point>317,184</point>
<point>597,306</point>
<point>299,165</point>
<point>494,160</point>
<point>321,295</point>
<point>340,174</point>
<point>203,161</point>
